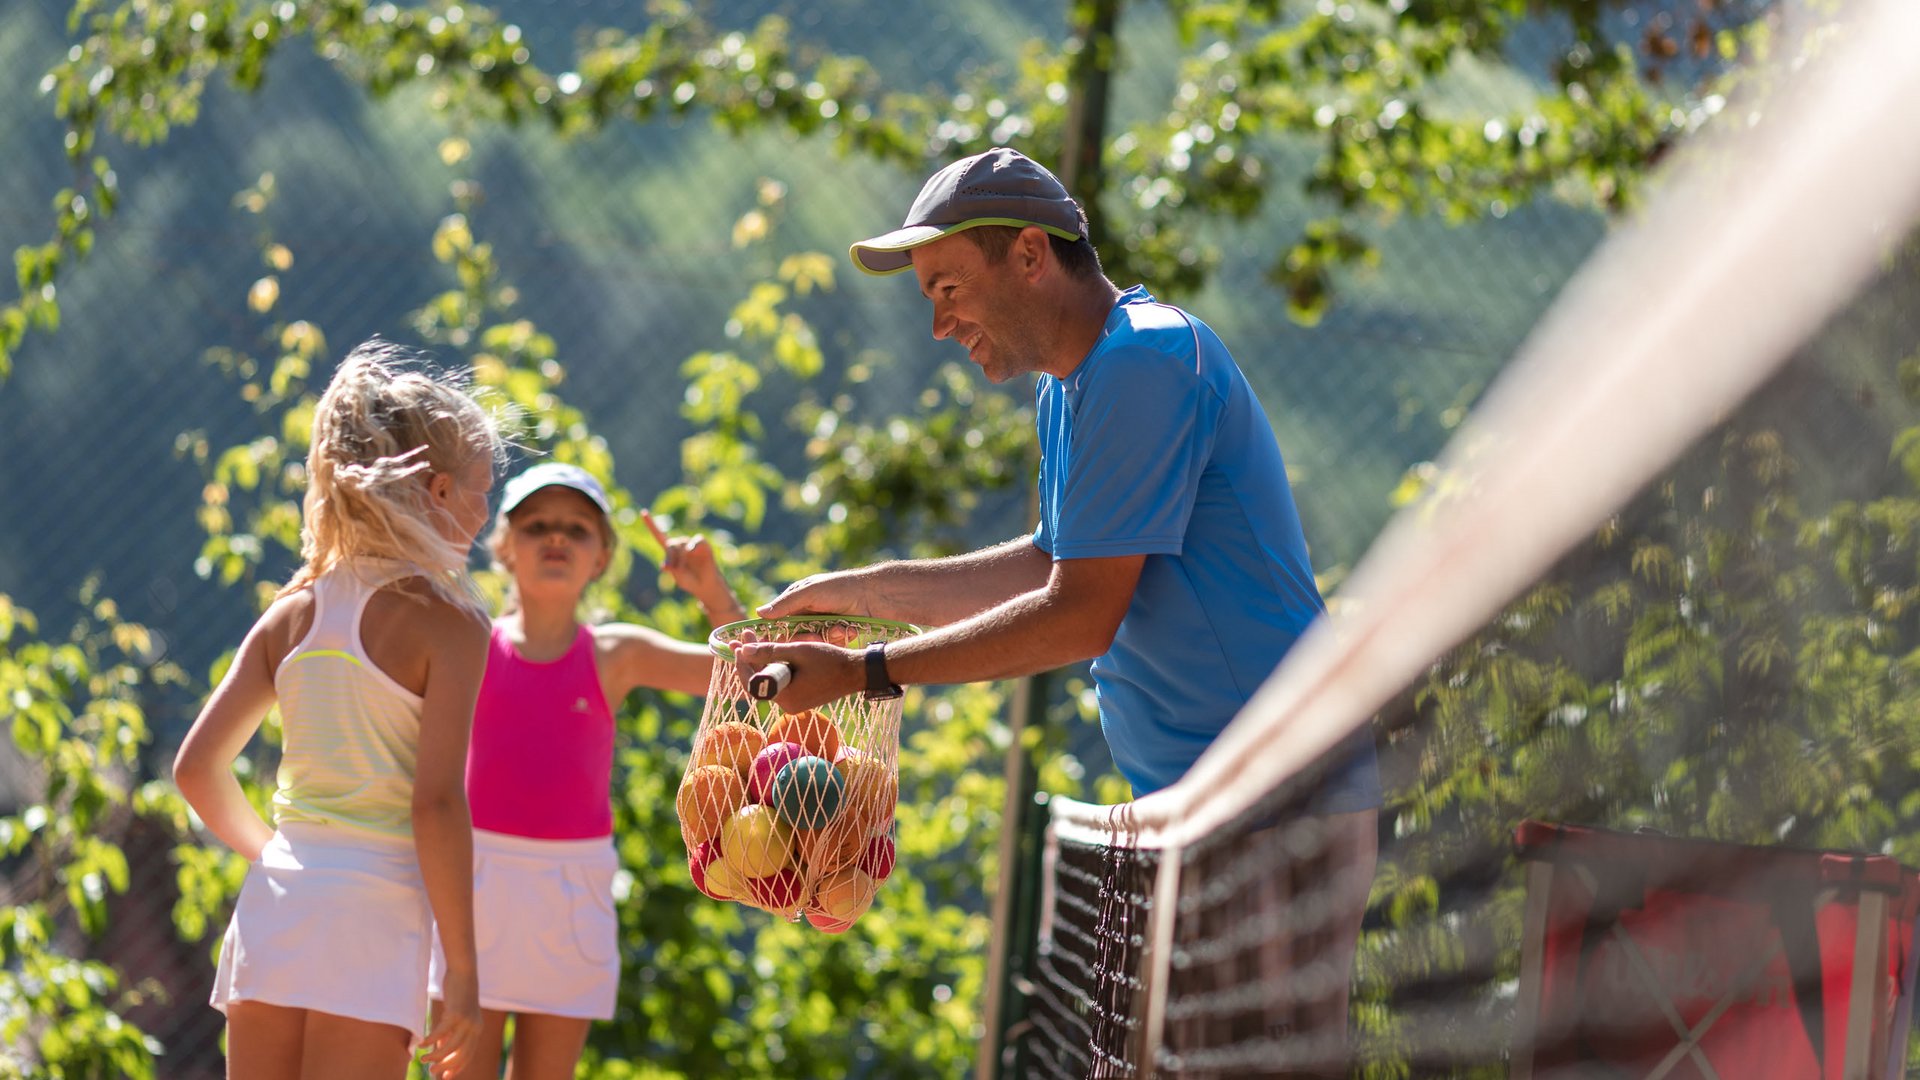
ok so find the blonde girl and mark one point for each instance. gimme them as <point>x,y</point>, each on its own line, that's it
<point>539,770</point>
<point>374,653</point>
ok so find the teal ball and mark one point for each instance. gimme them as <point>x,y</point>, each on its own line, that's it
<point>806,791</point>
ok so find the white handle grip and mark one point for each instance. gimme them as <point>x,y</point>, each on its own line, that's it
<point>767,683</point>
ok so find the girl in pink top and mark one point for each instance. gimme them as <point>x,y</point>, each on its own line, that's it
<point>540,765</point>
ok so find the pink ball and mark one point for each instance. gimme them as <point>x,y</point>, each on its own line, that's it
<point>697,861</point>
<point>779,891</point>
<point>828,924</point>
<point>877,861</point>
<point>767,764</point>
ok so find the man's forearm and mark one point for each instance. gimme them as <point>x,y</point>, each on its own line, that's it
<point>1021,636</point>
<point>936,592</point>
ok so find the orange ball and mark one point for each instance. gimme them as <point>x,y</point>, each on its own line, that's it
<point>812,729</point>
<point>835,847</point>
<point>708,796</point>
<point>871,795</point>
<point>732,744</point>
<point>844,895</point>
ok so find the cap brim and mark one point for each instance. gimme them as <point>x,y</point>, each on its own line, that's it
<point>888,252</point>
<point>512,499</point>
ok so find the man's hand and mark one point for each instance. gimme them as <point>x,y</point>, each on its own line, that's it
<point>837,593</point>
<point>821,672</point>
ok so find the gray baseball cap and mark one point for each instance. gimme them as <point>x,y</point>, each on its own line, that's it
<point>554,474</point>
<point>998,187</point>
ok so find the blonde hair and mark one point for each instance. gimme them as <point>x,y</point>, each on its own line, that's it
<point>381,430</point>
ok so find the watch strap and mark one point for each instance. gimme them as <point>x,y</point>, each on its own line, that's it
<point>879,685</point>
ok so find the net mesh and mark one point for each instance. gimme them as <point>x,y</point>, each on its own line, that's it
<point>793,813</point>
<point>1639,667</point>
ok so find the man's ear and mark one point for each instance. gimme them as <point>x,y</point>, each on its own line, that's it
<point>1033,251</point>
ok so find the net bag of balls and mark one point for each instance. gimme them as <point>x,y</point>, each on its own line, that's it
<point>793,813</point>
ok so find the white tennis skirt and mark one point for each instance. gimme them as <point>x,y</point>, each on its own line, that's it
<point>332,920</point>
<point>544,927</point>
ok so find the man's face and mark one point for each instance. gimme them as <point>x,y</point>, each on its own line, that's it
<point>984,306</point>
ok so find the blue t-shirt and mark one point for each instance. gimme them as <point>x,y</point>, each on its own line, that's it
<point>1155,445</point>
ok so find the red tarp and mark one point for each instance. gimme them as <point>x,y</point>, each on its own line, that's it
<point>1647,936</point>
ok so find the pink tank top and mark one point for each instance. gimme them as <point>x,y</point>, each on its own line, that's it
<point>540,763</point>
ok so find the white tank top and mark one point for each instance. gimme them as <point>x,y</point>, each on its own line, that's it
<point>350,733</point>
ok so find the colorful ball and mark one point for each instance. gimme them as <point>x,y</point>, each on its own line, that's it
<point>828,925</point>
<point>717,879</point>
<point>756,842</point>
<point>807,792</point>
<point>812,729</point>
<point>708,796</point>
<point>835,847</point>
<point>732,744</point>
<point>776,892</point>
<point>843,895</point>
<point>871,792</point>
<point>877,860</point>
<point>768,762</point>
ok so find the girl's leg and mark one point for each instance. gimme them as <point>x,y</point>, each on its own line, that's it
<point>486,1056</point>
<point>546,1047</point>
<point>264,1041</point>
<point>336,1046</point>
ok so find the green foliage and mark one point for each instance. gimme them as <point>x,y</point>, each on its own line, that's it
<point>1373,95</point>
<point>75,710</point>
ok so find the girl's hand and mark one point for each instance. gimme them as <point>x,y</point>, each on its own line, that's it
<point>690,561</point>
<point>450,1045</point>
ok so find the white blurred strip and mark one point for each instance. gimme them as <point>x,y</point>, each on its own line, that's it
<point>1759,232</point>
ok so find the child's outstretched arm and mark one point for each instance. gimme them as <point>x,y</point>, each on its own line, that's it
<point>443,827</point>
<point>203,768</point>
<point>690,561</point>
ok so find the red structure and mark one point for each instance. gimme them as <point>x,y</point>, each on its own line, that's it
<point>1647,957</point>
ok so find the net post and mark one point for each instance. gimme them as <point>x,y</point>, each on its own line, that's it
<point>1863,1006</point>
<point>1533,947</point>
<point>1013,914</point>
<point>1156,959</point>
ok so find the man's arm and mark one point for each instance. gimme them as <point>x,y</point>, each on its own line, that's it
<point>927,592</point>
<point>1073,616</point>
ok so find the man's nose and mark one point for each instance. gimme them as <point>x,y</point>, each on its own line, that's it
<point>943,323</point>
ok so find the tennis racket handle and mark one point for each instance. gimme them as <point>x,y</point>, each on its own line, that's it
<point>767,683</point>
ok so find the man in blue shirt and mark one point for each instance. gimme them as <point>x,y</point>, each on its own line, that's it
<point>1168,551</point>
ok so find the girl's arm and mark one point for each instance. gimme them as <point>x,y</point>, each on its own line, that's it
<point>689,559</point>
<point>634,656</point>
<point>456,644</point>
<point>203,768</point>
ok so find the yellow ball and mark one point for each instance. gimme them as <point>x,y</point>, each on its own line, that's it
<point>723,882</point>
<point>756,842</point>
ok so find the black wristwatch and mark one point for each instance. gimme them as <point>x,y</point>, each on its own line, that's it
<point>879,687</point>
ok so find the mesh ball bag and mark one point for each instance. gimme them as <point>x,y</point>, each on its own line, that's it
<point>793,813</point>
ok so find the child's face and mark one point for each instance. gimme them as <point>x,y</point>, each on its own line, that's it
<point>554,543</point>
<point>463,495</point>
